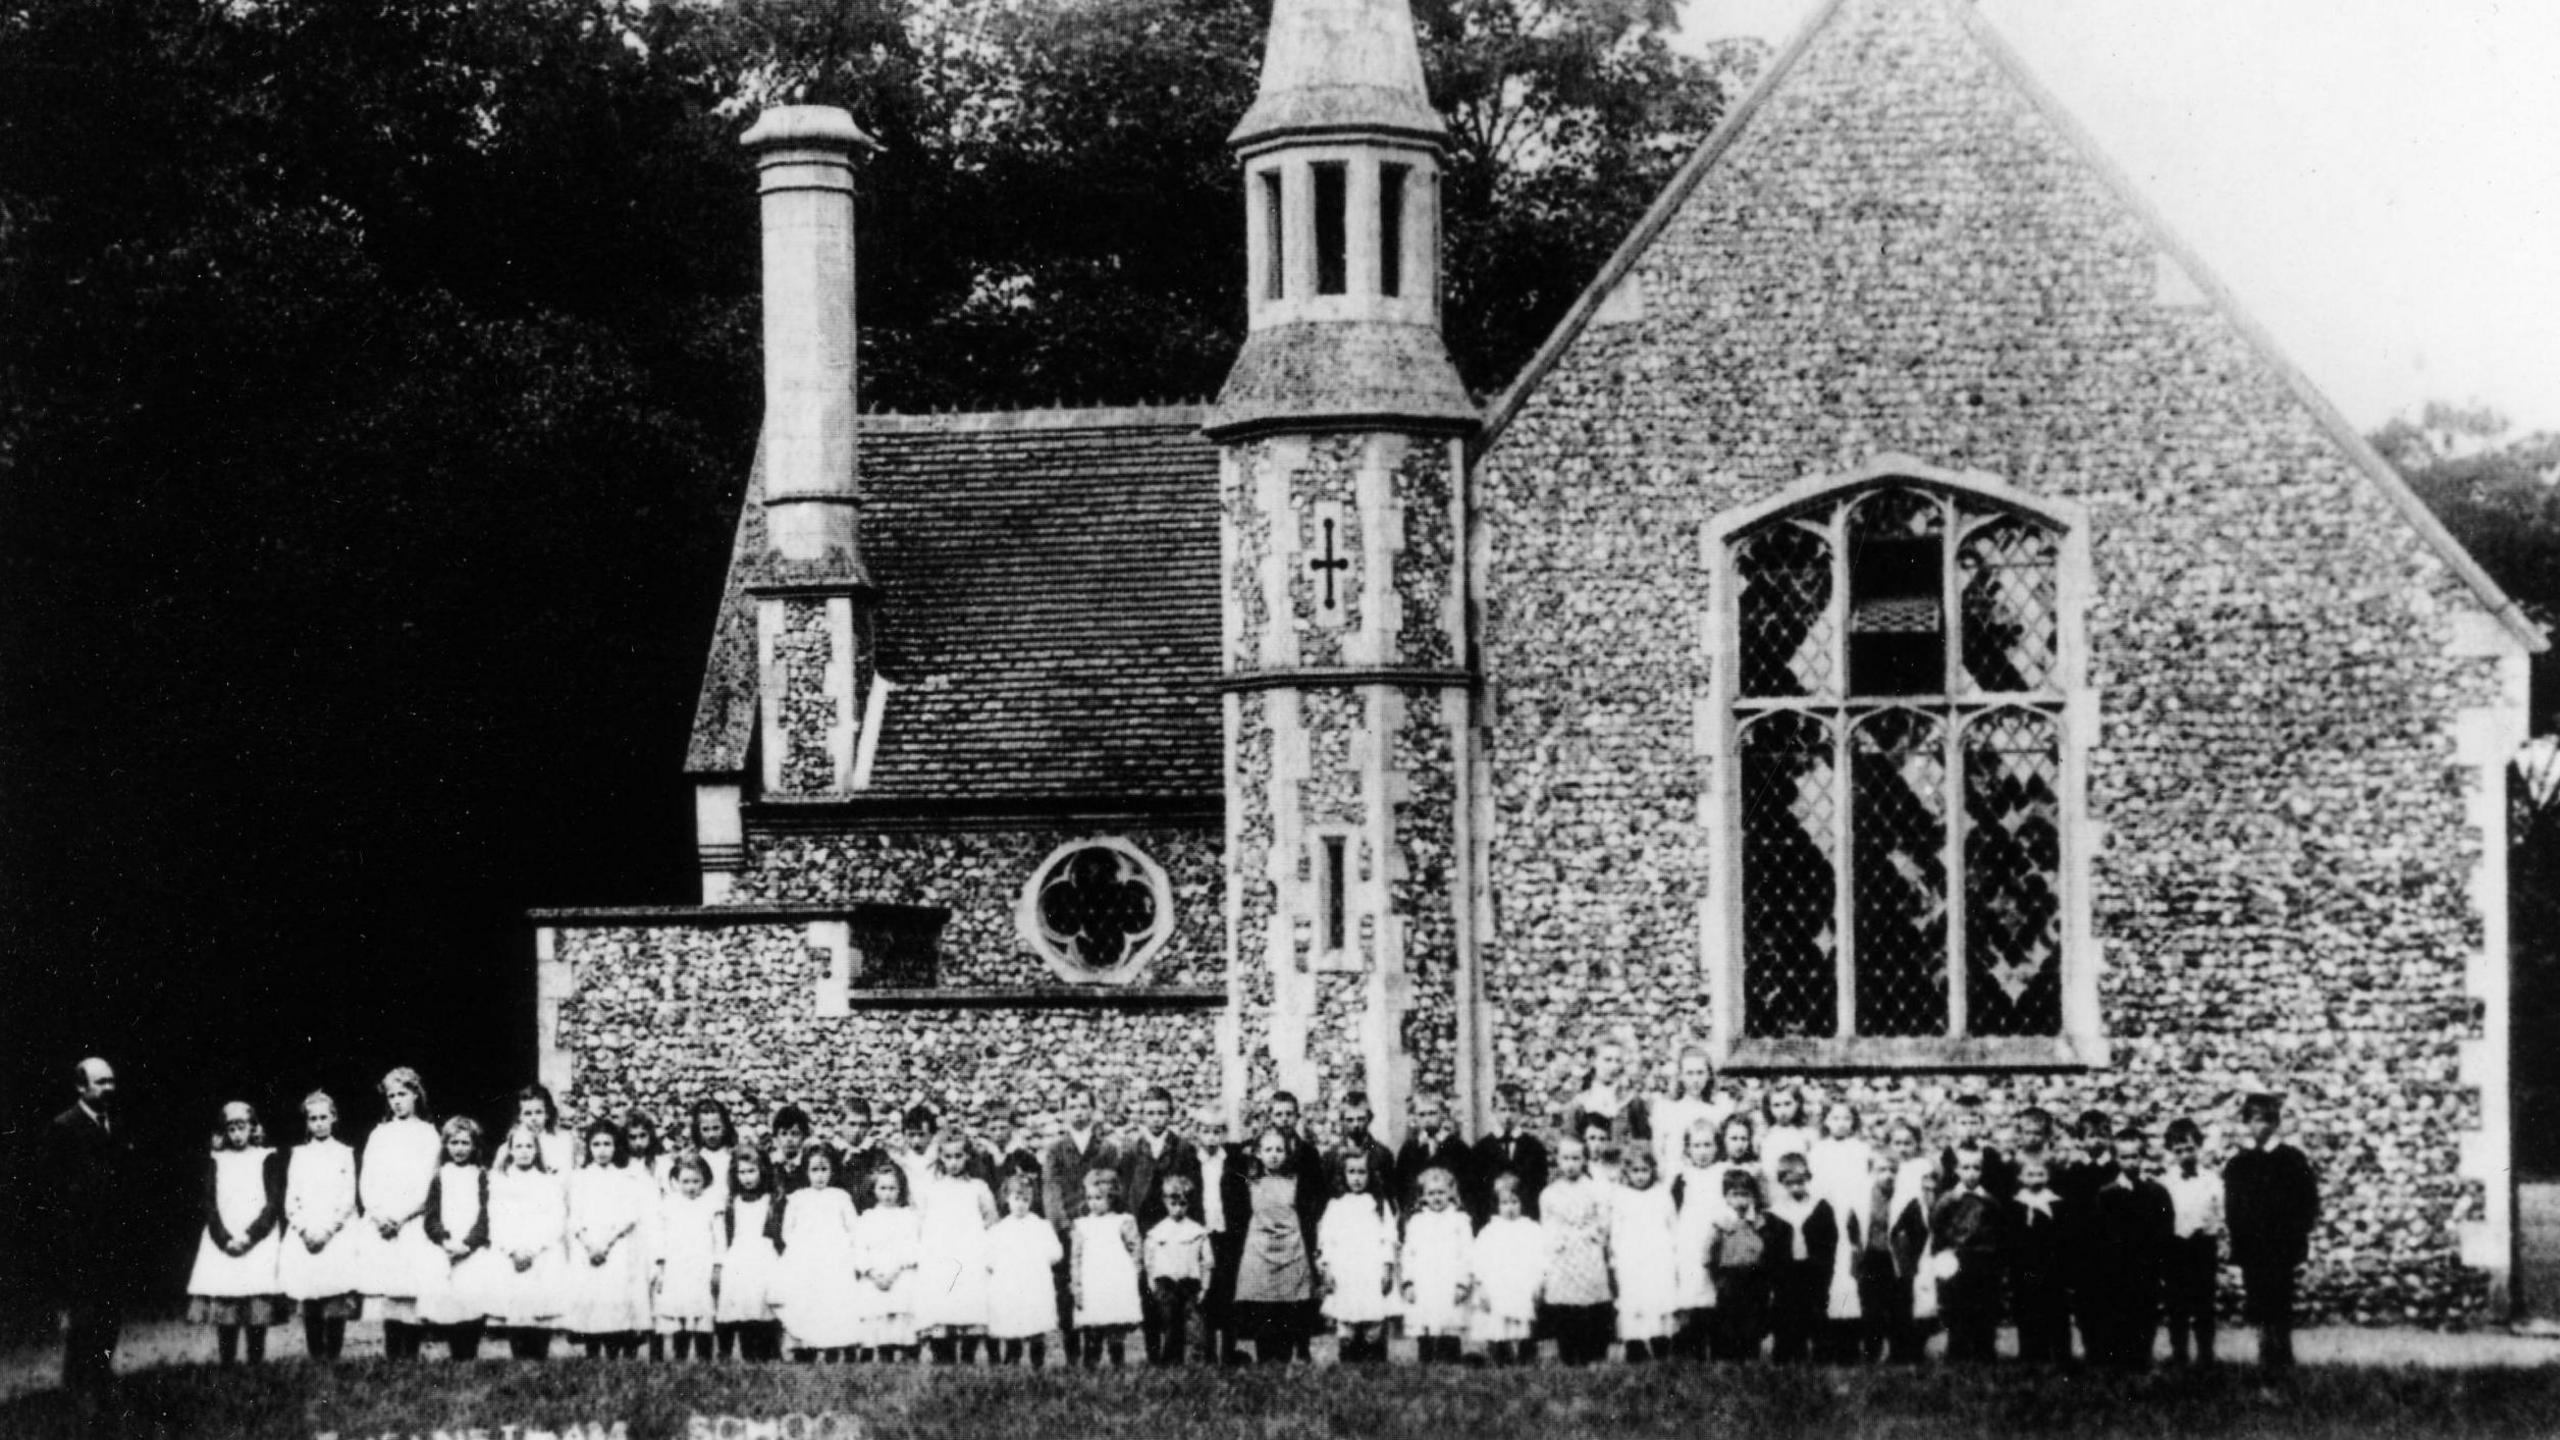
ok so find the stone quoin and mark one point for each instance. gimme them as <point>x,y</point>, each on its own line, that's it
<point>1906,631</point>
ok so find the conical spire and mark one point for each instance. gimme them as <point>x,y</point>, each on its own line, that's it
<point>1340,65</point>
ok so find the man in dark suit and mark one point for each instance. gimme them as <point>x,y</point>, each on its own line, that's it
<point>88,1167</point>
<point>2271,1195</point>
<point>1148,1158</point>
<point>1506,1149</point>
<point>1435,1144</point>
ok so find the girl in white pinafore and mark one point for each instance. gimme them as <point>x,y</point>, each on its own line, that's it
<point>953,1211</point>
<point>321,1267</point>
<point>399,1163</point>
<point>1356,1260</point>
<point>888,1240</point>
<point>457,1221</point>
<point>748,1267</point>
<point>1697,1195</point>
<point>234,1286</point>
<point>1102,1253</point>
<point>1642,1231</point>
<point>1843,1163</point>
<point>611,1206</point>
<point>690,1244</point>
<point>1435,1269</point>
<point>1022,1274</point>
<point>816,1291</point>
<point>518,1279</point>
<point>1510,1274</point>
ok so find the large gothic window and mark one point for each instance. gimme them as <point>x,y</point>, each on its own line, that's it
<point>1897,719</point>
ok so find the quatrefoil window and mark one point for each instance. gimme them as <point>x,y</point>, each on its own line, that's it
<point>1097,910</point>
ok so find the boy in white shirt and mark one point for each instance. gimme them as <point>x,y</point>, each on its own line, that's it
<point>2195,1195</point>
<point>1177,1267</point>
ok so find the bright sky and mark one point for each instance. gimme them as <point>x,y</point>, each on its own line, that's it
<point>2378,181</point>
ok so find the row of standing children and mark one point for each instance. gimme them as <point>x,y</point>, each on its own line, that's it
<point>1765,1231</point>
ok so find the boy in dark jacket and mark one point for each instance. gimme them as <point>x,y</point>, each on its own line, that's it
<point>2040,1226</point>
<point>1969,1228</point>
<point>1800,1264</point>
<point>2271,1200</point>
<point>2131,1228</point>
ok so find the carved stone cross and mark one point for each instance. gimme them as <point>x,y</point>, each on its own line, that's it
<point>1329,566</point>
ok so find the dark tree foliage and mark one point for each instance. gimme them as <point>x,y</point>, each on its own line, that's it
<point>377,381</point>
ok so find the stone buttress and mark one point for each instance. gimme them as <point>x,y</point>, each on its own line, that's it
<point>1348,667</point>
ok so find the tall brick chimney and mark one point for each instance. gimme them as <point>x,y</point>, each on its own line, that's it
<point>814,598</point>
<point>812,490</point>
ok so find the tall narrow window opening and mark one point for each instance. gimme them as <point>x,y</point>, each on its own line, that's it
<point>1275,249</point>
<point>1391,228</point>
<point>1333,256</point>
<point>1336,909</point>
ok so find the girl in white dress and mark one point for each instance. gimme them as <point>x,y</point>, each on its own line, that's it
<point>1356,1263</point>
<point>399,1164</point>
<point>457,1221</point>
<point>234,1285</point>
<point>320,1267</point>
<point>744,1315</point>
<point>1509,1264</point>
<point>1697,1194</point>
<point>610,1208</point>
<point>1435,1268</point>
<point>538,1112</point>
<point>519,1278</point>
<point>1693,1102</point>
<point>1022,1274</point>
<point>1643,1231</point>
<point>691,1241</point>
<point>649,1159</point>
<point>953,1211</point>
<point>1843,1162</point>
<point>1103,1265</point>
<point>888,1240</point>
<point>816,1290</point>
<point>1789,1132</point>
<point>713,1138</point>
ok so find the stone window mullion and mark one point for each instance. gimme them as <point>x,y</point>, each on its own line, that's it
<point>1844,897</point>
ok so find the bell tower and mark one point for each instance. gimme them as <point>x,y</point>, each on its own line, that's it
<point>1349,667</point>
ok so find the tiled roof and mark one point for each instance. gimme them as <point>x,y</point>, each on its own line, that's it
<point>1049,620</point>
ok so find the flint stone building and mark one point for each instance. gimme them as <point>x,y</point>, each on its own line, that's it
<point>1906,629</point>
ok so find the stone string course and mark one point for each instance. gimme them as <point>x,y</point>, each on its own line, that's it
<point>1901,254</point>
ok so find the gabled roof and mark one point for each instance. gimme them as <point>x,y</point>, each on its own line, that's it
<point>2084,148</point>
<point>1049,620</point>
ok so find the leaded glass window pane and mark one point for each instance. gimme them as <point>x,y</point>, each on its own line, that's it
<point>1897,594</point>
<point>1790,870</point>
<point>1787,640</point>
<point>1898,839</point>
<point>2008,605</point>
<point>2012,870</point>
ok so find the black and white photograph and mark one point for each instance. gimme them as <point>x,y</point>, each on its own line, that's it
<point>1215,719</point>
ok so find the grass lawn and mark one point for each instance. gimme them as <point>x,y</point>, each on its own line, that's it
<point>369,1400</point>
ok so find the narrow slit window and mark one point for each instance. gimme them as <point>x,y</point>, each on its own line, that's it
<point>1333,257</point>
<point>1391,228</point>
<point>1275,250</point>
<point>1335,859</point>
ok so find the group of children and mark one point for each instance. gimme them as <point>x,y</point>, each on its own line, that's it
<point>1676,1225</point>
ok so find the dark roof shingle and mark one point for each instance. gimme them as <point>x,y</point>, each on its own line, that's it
<point>1049,619</point>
